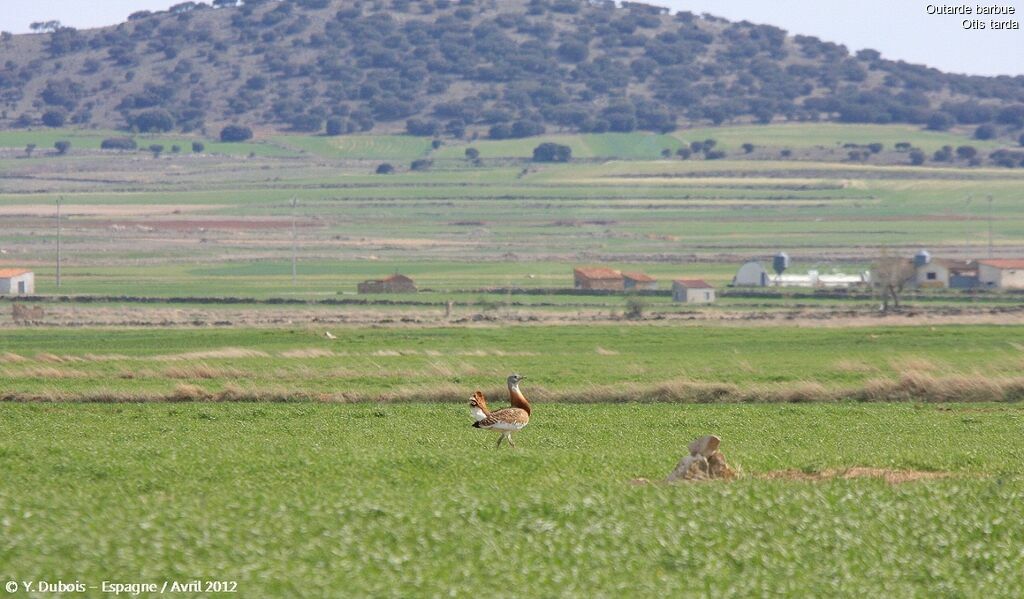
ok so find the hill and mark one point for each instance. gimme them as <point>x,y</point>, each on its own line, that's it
<point>507,69</point>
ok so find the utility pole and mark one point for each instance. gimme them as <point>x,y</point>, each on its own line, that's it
<point>295,201</point>
<point>990,226</point>
<point>59,200</point>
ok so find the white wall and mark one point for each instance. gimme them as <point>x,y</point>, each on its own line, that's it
<point>10,286</point>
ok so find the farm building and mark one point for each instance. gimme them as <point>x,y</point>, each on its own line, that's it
<point>396,283</point>
<point>942,273</point>
<point>598,278</point>
<point>751,274</point>
<point>638,280</point>
<point>692,291</point>
<point>17,281</point>
<point>1002,274</point>
<point>817,280</point>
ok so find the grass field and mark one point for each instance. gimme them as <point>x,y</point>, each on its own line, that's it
<point>139,215</point>
<point>410,501</point>
<point>564,363</point>
<point>151,432</point>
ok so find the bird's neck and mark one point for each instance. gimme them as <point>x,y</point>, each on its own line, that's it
<point>517,398</point>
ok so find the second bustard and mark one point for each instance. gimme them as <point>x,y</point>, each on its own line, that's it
<point>507,420</point>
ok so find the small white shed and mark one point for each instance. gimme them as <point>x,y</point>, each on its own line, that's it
<point>692,291</point>
<point>17,281</point>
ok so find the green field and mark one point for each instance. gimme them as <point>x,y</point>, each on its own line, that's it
<point>178,409</point>
<point>366,500</point>
<point>565,363</point>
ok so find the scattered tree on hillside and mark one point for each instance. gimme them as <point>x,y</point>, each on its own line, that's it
<point>235,133</point>
<point>985,132</point>
<point>917,157</point>
<point>153,121</point>
<point>335,126</point>
<point>748,148</point>
<point>472,153</point>
<point>198,147</point>
<point>385,169</point>
<point>62,146</point>
<point>44,26</point>
<point>940,121</point>
<point>29,149</point>
<point>944,154</point>
<point>966,152</point>
<point>552,152</point>
<point>156,149</point>
<point>54,117</point>
<point>421,164</point>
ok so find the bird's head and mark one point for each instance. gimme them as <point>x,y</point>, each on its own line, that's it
<point>513,380</point>
<point>477,400</point>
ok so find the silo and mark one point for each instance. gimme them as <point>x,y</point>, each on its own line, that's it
<point>780,263</point>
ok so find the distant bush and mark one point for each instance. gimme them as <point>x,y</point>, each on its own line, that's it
<point>118,143</point>
<point>62,146</point>
<point>684,153</point>
<point>153,120</point>
<point>335,126</point>
<point>985,132</point>
<point>198,147</point>
<point>54,118</point>
<point>235,133</point>
<point>472,153</point>
<point>917,157</point>
<point>552,152</point>
<point>940,121</point>
<point>876,147</point>
<point>421,164</point>
<point>748,148</point>
<point>156,149</point>
<point>966,152</point>
<point>385,169</point>
<point>421,127</point>
<point>306,123</point>
<point>944,154</point>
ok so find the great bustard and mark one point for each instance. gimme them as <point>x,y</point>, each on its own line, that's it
<point>505,421</point>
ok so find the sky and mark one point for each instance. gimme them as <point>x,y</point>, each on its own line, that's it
<point>899,29</point>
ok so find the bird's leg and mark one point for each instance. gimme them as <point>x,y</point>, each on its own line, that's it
<point>501,438</point>
<point>510,440</point>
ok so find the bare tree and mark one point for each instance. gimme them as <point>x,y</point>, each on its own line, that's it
<point>889,276</point>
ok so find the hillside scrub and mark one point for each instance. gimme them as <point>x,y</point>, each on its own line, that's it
<point>507,70</point>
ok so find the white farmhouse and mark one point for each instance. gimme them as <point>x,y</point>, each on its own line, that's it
<point>17,281</point>
<point>1001,274</point>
